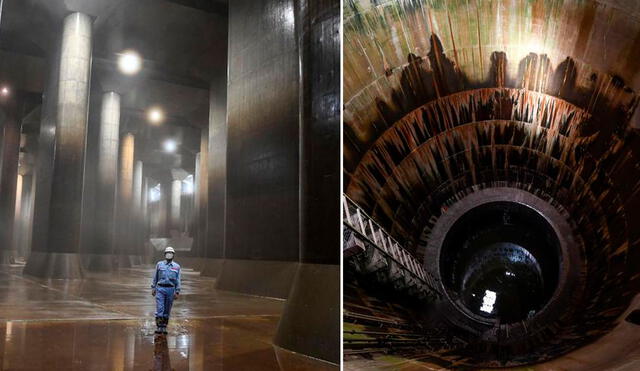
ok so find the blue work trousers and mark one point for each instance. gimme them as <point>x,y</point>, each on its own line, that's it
<point>164,301</point>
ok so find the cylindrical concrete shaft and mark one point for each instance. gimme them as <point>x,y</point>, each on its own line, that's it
<point>137,189</point>
<point>57,256</point>
<point>144,205</point>
<point>176,196</point>
<point>196,248</point>
<point>202,193</point>
<point>163,207</point>
<point>124,241</point>
<point>316,332</point>
<point>144,215</point>
<point>108,144</point>
<point>9,155</point>
<point>24,211</point>
<point>137,209</point>
<point>17,215</point>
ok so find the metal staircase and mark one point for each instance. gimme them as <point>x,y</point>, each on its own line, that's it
<point>369,249</point>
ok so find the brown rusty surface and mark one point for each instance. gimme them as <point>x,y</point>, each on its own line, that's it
<point>442,98</point>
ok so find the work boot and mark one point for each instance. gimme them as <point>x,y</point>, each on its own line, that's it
<point>165,324</point>
<point>158,325</point>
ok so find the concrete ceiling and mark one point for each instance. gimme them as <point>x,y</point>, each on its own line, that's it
<point>179,40</point>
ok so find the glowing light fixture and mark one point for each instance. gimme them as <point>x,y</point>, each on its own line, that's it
<point>5,91</point>
<point>187,185</point>
<point>155,115</point>
<point>170,145</point>
<point>129,62</point>
<point>154,193</point>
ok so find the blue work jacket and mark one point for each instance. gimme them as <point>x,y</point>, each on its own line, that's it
<point>167,274</point>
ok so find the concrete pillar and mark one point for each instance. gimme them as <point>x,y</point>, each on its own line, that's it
<point>24,208</point>
<point>195,248</point>
<point>137,247</point>
<point>124,242</point>
<point>310,324</point>
<point>56,254</point>
<point>202,193</point>
<point>101,251</point>
<point>9,155</point>
<point>144,219</point>
<point>261,173</point>
<point>176,196</point>
<point>17,216</point>
<point>215,162</point>
<point>163,209</point>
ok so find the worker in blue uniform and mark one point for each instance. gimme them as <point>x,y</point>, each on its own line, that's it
<point>165,287</point>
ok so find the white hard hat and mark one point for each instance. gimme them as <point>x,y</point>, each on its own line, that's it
<point>169,249</point>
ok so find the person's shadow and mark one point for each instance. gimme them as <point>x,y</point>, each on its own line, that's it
<point>161,359</point>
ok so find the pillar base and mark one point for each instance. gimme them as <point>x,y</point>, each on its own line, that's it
<point>191,262</point>
<point>7,257</point>
<point>310,323</point>
<point>136,260</point>
<point>54,265</point>
<point>211,267</point>
<point>98,262</point>
<point>257,277</point>
<point>124,261</point>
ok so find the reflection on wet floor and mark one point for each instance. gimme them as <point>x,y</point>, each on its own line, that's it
<point>105,322</point>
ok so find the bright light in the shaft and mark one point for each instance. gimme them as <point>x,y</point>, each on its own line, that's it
<point>170,145</point>
<point>129,62</point>
<point>5,91</point>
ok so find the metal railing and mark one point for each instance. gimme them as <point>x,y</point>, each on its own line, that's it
<point>393,258</point>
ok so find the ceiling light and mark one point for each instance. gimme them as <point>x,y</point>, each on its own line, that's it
<point>5,91</point>
<point>155,115</point>
<point>170,145</point>
<point>187,186</point>
<point>129,62</point>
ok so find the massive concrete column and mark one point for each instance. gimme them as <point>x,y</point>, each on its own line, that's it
<point>9,155</point>
<point>215,162</point>
<point>262,179</point>
<point>56,253</point>
<point>163,209</point>
<point>176,196</point>
<point>100,252</point>
<point>124,241</point>
<point>144,220</point>
<point>310,324</point>
<point>196,247</point>
<point>24,208</point>
<point>137,248</point>
<point>201,196</point>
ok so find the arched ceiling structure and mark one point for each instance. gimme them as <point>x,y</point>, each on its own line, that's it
<point>445,98</point>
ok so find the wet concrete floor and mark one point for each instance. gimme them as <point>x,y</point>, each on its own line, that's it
<point>106,322</point>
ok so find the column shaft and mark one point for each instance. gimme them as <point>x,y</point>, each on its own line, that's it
<point>9,155</point>
<point>57,254</point>
<point>310,323</point>
<point>108,143</point>
<point>176,196</point>
<point>144,217</point>
<point>137,210</point>
<point>202,182</point>
<point>124,210</point>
